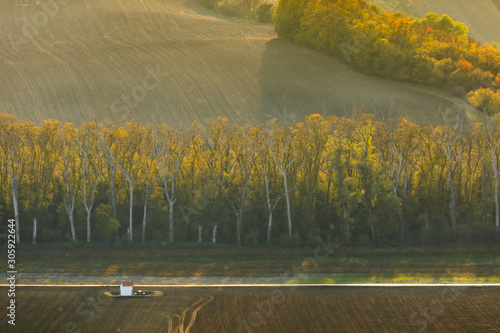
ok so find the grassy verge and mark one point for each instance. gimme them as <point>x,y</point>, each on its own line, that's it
<point>342,265</point>
<point>396,278</point>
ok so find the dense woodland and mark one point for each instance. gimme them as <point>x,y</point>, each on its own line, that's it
<point>353,180</point>
<point>434,51</point>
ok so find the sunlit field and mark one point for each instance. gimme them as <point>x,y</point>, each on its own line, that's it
<point>480,16</point>
<point>335,170</point>
<point>172,61</point>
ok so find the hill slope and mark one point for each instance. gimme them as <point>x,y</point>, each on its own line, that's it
<point>96,59</point>
<point>482,17</point>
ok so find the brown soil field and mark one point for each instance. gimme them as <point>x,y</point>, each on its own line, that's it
<point>259,309</point>
<point>482,17</point>
<point>174,62</point>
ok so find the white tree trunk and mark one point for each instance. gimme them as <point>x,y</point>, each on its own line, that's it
<point>214,234</point>
<point>171,220</point>
<point>71,214</point>
<point>34,230</point>
<point>426,223</point>
<point>144,215</point>
<point>88,206</point>
<point>347,224</point>
<point>239,215</point>
<point>200,233</point>
<point>288,209</point>
<point>15,202</point>
<point>269,207</point>
<point>112,189</point>
<point>402,223</point>
<point>130,210</point>
<point>269,225</point>
<point>495,172</point>
<point>16,209</point>
<point>453,202</point>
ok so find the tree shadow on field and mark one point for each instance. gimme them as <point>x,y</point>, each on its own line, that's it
<point>297,81</point>
<point>293,85</point>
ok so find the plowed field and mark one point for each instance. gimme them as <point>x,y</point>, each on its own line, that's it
<point>259,309</point>
<point>173,61</point>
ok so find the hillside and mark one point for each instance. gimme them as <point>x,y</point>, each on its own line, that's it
<point>84,59</point>
<point>482,17</point>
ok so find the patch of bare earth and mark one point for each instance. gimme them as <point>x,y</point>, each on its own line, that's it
<point>242,309</point>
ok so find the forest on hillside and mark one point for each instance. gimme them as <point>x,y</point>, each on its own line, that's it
<point>434,51</point>
<point>346,179</point>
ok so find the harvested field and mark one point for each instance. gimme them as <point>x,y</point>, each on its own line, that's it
<point>260,309</point>
<point>172,61</point>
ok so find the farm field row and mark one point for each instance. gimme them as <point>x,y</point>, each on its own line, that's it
<point>265,309</point>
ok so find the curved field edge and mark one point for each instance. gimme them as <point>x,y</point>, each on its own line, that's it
<point>480,16</point>
<point>174,62</point>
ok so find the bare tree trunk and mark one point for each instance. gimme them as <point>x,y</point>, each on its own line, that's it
<point>214,234</point>
<point>483,202</point>
<point>34,230</point>
<point>112,189</point>
<point>130,211</point>
<point>161,151</point>
<point>269,224</point>
<point>88,226</point>
<point>16,216</point>
<point>70,208</point>
<point>283,169</point>
<point>269,206</point>
<point>88,206</point>
<point>402,222</point>
<point>288,209</point>
<point>144,219</point>
<point>453,147</point>
<point>171,220</point>
<point>347,224</point>
<point>495,172</point>
<point>200,233</point>
<point>239,215</point>
<point>453,202</point>
<point>15,203</point>
<point>427,223</point>
<point>372,227</point>
<point>402,209</point>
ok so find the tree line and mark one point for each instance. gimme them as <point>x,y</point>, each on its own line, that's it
<point>434,51</point>
<point>345,179</point>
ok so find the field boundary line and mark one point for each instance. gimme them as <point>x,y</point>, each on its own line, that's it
<point>271,285</point>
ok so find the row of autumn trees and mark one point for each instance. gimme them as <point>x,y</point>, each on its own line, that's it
<point>434,51</point>
<point>344,179</point>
